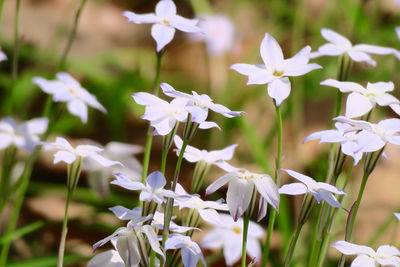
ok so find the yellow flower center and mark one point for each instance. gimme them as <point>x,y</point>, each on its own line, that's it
<point>165,22</point>
<point>237,230</point>
<point>278,73</point>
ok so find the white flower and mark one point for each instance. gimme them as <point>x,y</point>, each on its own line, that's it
<point>109,258</point>
<point>158,222</point>
<point>215,157</point>
<point>362,99</point>
<point>68,154</point>
<point>99,175</point>
<point>385,255</point>
<point>276,70</point>
<point>190,251</point>
<point>397,30</point>
<point>198,106</point>
<point>165,22</point>
<point>348,140</point>
<point>206,209</point>
<point>373,137</point>
<point>161,114</point>
<point>24,135</point>
<point>321,191</point>
<point>341,45</point>
<point>3,56</point>
<point>127,239</point>
<point>152,191</point>
<point>229,236</point>
<point>397,215</point>
<point>67,89</point>
<point>240,190</point>
<point>219,33</point>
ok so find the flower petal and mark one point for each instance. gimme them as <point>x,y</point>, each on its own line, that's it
<point>268,189</point>
<point>256,74</point>
<point>335,38</point>
<point>165,8</point>
<point>156,180</point>
<point>127,183</point>
<point>344,87</point>
<point>238,197</point>
<point>279,90</point>
<point>293,189</point>
<point>308,181</point>
<point>65,156</point>
<point>357,105</point>
<point>140,18</point>
<point>348,248</point>
<point>184,24</point>
<point>271,53</point>
<point>78,108</point>
<point>162,34</point>
<point>220,182</point>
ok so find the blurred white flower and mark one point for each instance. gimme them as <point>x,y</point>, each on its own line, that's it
<point>152,191</point>
<point>397,30</point>
<point>24,135</point>
<point>67,89</point>
<point>206,209</point>
<point>109,258</point>
<point>348,140</point>
<point>190,251</point>
<point>373,137</point>
<point>321,191</point>
<point>385,255</point>
<point>3,56</point>
<point>99,175</point>
<point>68,154</point>
<point>229,235</point>
<point>362,99</point>
<point>198,106</point>
<point>161,114</point>
<point>215,157</point>
<point>276,70</point>
<point>165,22</point>
<point>338,45</point>
<point>240,190</point>
<point>397,215</point>
<point>219,33</point>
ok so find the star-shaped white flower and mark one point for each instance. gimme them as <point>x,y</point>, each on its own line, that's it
<point>68,154</point>
<point>348,140</point>
<point>161,114</point>
<point>276,70</point>
<point>219,33</point>
<point>24,135</point>
<point>190,251</point>
<point>397,215</point>
<point>3,56</point>
<point>362,99</point>
<point>67,89</point>
<point>385,255</point>
<point>373,137</point>
<point>321,191</point>
<point>215,157</point>
<point>165,22</point>
<point>240,190</point>
<point>198,106</point>
<point>152,191</point>
<point>229,235</point>
<point>339,45</point>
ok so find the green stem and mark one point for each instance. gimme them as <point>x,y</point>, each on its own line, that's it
<point>315,243</point>
<point>16,42</point>
<point>170,202</point>
<point>295,237</point>
<point>72,36</point>
<point>164,160</point>
<point>1,9</point>
<point>64,231</point>
<point>246,220</point>
<point>272,216</point>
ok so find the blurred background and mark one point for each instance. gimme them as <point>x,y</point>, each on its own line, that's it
<point>113,59</point>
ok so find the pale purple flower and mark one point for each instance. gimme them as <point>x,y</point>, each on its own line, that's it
<point>240,190</point>
<point>373,137</point>
<point>165,21</point>
<point>67,89</point>
<point>198,106</point>
<point>190,251</point>
<point>214,157</point>
<point>3,56</point>
<point>348,140</point>
<point>229,235</point>
<point>362,99</point>
<point>68,154</point>
<point>24,135</point>
<point>385,255</point>
<point>339,45</point>
<point>152,191</point>
<point>321,191</point>
<point>276,70</point>
<point>397,215</point>
<point>109,258</point>
<point>162,115</point>
<point>219,33</point>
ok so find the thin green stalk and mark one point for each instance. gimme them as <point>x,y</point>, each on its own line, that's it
<point>14,74</point>
<point>1,10</point>
<point>246,220</point>
<point>295,237</point>
<point>64,231</point>
<point>315,243</point>
<point>164,160</point>
<point>170,202</point>
<point>272,215</point>
<point>72,35</point>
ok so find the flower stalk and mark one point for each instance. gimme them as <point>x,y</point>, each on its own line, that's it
<point>246,220</point>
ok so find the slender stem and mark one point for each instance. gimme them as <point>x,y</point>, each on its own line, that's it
<point>64,231</point>
<point>164,160</point>
<point>246,220</point>
<point>72,36</point>
<point>315,243</point>
<point>16,42</point>
<point>295,237</point>
<point>152,258</point>
<point>170,202</point>
<point>272,216</point>
<point>1,9</point>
